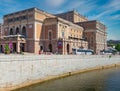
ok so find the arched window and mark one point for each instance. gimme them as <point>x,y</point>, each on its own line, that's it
<point>11,31</point>
<point>24,31</point>
<point>17,31</point>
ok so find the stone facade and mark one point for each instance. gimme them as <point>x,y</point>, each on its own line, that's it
<point>1,30</point>
<point>41,32</point>
<point>95,34</point>
<point>17,70</point>
<point>1,34</point>
<point>63,32</point>
<point>94,31</point>
<point>44,32</point>
<point>72,16</point>
<point>20,23</point>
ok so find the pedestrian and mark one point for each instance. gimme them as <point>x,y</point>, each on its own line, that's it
<point>110,56</point>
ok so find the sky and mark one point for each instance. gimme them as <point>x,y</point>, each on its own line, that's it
<point>105,11</point>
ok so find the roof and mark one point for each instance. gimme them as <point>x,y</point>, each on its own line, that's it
<point>20,11</point>
<point>30,9</point>
<point>65,21</point>
<point>72,11</point>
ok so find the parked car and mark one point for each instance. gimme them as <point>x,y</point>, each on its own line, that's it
<point>105,52</point>
<point>109,51</point>
<point>82,51</point>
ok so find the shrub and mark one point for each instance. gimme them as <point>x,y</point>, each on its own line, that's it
<point>7,49</point>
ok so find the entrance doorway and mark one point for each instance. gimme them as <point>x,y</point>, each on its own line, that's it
<point>68,47</point>
<point>41,47</point>
<point>50,48</point>
<point>14,47</point>
<point>22,47</point>
<point>1,49</point>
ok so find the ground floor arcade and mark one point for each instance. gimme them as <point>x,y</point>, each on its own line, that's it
<point>15,44</point>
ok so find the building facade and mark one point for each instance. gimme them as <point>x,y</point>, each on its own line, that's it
<point>95,34</point>
<point>72,16</point>
<point>1,34</point>
<point>36,31</point>
<point>62,35</point>
<point>1,30</point>
<point>94,31</point>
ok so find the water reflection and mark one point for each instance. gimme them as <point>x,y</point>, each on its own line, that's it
<point>101,80</point>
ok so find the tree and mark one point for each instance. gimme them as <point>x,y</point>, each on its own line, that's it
<point>117,47</point>
<point>7,49</point>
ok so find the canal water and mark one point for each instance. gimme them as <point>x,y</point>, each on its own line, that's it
<point>99,80</point>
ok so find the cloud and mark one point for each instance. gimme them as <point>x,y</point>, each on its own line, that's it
<point>115,17</point>
<point>109,8</point>
<point>101,14</point>
<point>82,6</point>
<point>114,5</point>
<point>55,3</point>
<point>8,6</point>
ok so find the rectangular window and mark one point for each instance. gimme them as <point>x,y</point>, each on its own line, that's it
<point>50,35</point>
<point>63,34</point>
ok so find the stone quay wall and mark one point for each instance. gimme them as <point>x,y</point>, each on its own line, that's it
<point>22,70</point>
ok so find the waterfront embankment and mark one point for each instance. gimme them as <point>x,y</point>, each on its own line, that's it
<point>18,71</point>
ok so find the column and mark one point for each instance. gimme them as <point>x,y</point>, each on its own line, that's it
<point>18,44</point>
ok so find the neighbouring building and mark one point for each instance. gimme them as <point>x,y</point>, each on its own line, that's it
<point>95,34</point>
<point>33,30</point>
<point>94,31</point>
